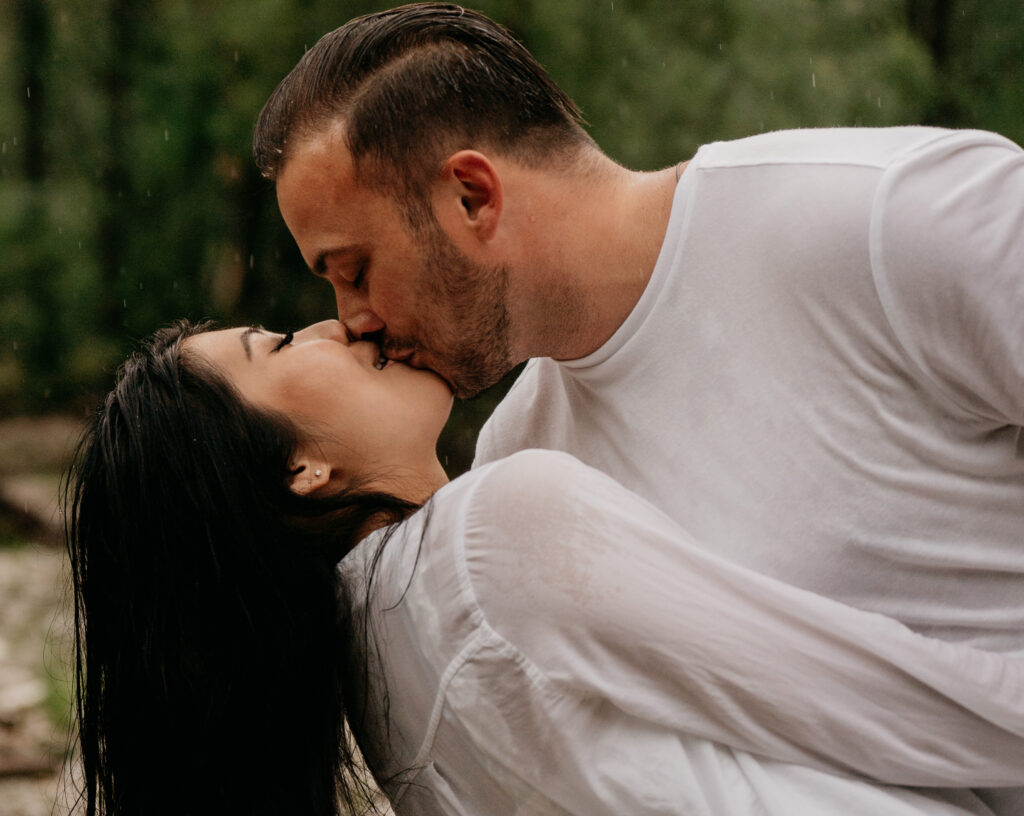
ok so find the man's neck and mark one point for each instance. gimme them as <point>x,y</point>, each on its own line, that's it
<point>590,241</point>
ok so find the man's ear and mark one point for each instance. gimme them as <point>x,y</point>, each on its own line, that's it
<point>471,194</point>
<point>308,474</point>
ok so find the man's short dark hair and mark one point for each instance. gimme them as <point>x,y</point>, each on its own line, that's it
<point>413,85</point>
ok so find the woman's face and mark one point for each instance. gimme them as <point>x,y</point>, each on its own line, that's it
<point>365,422</point>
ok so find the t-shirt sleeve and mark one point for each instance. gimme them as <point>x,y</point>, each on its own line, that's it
<point>947,249</point>
<point>609,597</point>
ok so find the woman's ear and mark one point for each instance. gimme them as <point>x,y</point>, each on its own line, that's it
<point>470,182</point>
<point>308,474</point>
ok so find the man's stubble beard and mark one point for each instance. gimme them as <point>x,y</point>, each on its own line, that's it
<point>468,304</point>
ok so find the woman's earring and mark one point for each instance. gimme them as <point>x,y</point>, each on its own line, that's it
<point>317,473</point>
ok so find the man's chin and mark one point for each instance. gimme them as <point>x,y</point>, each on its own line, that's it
<point>465,378</point>
<point>468,387</point>
<point>422,361</point>
<point>457,385</point>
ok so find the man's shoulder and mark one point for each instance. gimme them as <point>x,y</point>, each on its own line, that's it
<point>872,147</point>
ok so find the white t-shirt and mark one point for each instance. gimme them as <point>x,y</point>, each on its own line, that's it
<point>542,641</point>
<point>824,378</point>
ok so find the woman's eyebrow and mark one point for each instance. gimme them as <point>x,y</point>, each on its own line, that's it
<point>245,339</point>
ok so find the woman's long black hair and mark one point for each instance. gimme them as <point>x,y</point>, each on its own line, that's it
<point>210,672</point>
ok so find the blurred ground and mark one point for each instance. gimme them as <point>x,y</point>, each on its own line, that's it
<point>34,623</point>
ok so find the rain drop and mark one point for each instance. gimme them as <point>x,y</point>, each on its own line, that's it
<point>814,80</point>
<point>167,135</point>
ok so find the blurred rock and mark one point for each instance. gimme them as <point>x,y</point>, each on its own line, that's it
<point>37,444</point>
<point>33,649</point>
<point>32,503</point>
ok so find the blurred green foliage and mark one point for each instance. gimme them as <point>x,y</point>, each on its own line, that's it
<point>128,197</point>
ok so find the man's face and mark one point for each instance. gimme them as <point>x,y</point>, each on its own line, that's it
<point>417,295</point>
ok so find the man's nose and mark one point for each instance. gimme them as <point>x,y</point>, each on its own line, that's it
<point>357,316</point>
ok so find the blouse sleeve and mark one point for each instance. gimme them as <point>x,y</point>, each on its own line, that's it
<point>608,596</point>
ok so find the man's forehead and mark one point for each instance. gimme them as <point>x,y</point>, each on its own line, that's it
<point>317,149</point>
<point>324,161</point>
<point>313,179</point>
<point>332,136</point>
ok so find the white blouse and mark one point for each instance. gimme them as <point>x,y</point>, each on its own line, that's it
<point>542,641</point>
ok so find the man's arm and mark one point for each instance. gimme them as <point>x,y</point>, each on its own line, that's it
<point>948,259</point>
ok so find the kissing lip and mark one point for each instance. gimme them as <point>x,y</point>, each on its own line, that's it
<point>399,355</point>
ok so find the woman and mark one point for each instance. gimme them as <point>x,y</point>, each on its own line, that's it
<point>534,640</point>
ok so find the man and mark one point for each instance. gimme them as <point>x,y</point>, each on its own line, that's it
<point>806,347</point>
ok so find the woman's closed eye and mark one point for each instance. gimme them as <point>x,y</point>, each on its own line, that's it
<point>284,341</point>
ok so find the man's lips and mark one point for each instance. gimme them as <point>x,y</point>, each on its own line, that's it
<point>399,355</point>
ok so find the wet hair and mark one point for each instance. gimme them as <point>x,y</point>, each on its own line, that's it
<point>209,639</point>
<point>413,85</point>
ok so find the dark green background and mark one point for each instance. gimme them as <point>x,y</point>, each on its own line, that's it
<point>128,197</point>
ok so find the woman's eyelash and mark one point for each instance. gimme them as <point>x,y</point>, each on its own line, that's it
<point>284,341</point>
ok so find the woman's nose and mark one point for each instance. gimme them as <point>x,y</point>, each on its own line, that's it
<point>324,330</point>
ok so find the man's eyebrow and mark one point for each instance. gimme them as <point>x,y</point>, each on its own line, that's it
<point>245,339</point>
<point>319,266</point>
